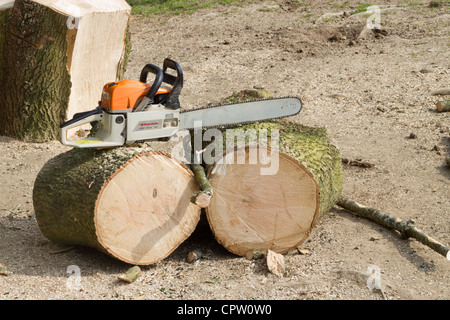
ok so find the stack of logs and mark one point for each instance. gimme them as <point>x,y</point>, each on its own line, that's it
<point>139,204</point>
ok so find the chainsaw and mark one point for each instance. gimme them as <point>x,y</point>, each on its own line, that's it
<point>136,111</point>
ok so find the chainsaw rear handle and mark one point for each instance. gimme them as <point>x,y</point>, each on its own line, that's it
<point>156,83</point>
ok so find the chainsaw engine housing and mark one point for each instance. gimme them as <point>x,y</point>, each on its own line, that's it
<point>131,110</point>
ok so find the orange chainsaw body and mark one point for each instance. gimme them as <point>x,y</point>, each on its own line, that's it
<point>124,95</point>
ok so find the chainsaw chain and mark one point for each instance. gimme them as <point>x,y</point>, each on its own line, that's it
<point>241,102</point>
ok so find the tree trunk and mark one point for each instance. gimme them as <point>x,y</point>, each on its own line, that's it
<point>133,203</point>
<point>58,55</point>
<point>273,206</point>
<point>443,106</point>
<point>5,10</point>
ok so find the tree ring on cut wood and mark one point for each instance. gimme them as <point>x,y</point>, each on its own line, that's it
<point>143,212</point>
<point>251,211</point>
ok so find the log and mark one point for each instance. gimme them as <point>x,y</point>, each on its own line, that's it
<point>58,55</point>
<point>406,228</point>
<point>251,211</point>
<point>130,202</point>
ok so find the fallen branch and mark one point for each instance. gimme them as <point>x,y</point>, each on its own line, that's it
<point>406,228</point>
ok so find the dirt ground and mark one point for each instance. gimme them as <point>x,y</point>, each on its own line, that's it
<point>371,92</point>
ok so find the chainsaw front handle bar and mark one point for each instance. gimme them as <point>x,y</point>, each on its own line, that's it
<point>80,116</point>
<point>109,133</point>
<point>78,120</point>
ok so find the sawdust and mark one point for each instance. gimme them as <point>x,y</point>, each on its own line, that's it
<point>369,92</point>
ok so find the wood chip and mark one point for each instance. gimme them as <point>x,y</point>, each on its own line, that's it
<point>304,251</point>
<point>193,256</point>
<point>275,263</point>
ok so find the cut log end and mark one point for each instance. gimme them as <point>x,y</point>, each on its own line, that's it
<point>144,211</point>
<point>201,199</point>
<point>251,211</point>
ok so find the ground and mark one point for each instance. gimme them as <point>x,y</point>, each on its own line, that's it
<point>371,92</point>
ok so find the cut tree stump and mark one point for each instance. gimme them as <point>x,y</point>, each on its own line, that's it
<point>57,56</point>
<point>256,211</point>
<point>133,203</point>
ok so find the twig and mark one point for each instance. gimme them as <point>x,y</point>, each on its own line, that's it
<point>62,250</point>
<point>406,228</point>
<point>357,163</point>
<point>203,197</point>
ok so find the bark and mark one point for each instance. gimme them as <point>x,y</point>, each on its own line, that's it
<point>132,203</point>
<point>5,10</point>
